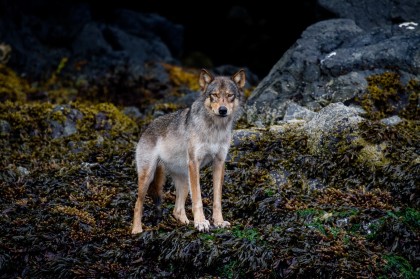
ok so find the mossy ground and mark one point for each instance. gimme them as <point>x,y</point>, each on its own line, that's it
<point>66,204</point>
<point>387,96</point>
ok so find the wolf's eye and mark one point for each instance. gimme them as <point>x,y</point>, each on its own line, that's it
<point>214,95</point>
<point>230,95</point>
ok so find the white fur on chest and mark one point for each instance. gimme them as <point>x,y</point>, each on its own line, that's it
<point>213,144</point>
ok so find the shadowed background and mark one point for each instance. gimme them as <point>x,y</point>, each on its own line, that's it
<point>241,33</point>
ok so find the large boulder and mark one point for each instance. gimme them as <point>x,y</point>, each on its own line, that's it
<point>46,38</point>
<point>331,63</point>
<point>369,14</point>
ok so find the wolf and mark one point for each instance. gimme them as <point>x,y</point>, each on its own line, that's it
<point>182,142</point>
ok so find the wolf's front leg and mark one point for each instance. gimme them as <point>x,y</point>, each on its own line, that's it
<point>200,222</point>
<point>181,186</point>
<point>218,176</point>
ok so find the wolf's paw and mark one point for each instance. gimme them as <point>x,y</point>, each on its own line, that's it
<point>182,218</point>
<point>136,230</point>
<point>222,224</point>
<point>202,226</point>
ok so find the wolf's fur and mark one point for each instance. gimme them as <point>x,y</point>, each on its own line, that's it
<point>184,141</point>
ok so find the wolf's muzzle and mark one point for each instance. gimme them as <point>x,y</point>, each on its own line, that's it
<point>223,111</point>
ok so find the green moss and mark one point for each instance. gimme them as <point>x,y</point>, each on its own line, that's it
<point>30,136</point>
<point>409,216</point>
<point>397,266</point>
<point>230,270</point>
<point>412,110</point>
<point>26,119</point>
<point>12,87</point>
<point>61,95</point>
<point>251,234</point>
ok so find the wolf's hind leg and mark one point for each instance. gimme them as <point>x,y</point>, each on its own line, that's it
<point>145,176</point>
<point>181,186</point>
<point>156,189</point>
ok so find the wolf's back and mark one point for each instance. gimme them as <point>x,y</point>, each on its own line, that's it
<point>170,123</point>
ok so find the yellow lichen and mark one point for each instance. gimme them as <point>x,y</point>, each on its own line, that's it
<point>383,94</point>
<point>373,155</point>
<point>412,110</point>
<point>180,76</point>
<point>118,122</point>
<point>12,87</point>
<point>167,107</point>
<point>248,92</point>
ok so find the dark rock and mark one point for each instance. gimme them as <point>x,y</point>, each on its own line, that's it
<point>132,112</point>
<point>42,36</point>
<point>229,70</point>
<point>279,177</point>
<point>91,41</point>
<point>68,126</point>
<point>392,121</point>
<point>22,171</point>
<point>102,122</point>
<point>369,14</point>
<point>152,27</point>
<point>4,128</point>
<point>296,112</point>
<point>315,185</point>
<point>330,63</point>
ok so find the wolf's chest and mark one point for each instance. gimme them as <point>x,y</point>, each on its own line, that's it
<point>213,144</point>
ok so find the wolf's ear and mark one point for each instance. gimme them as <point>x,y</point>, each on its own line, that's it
<point>239,78</point>
<point>205,78</point>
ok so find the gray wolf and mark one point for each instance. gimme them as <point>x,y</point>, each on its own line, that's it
<point>182,142</point>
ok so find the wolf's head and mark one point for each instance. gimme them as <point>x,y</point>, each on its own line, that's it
<point>222,94</point>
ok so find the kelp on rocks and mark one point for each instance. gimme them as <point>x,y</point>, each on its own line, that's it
<point>68,187</point>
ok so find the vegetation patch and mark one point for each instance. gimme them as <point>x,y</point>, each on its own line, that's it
<point>386,96</point>
<point>68,187</point>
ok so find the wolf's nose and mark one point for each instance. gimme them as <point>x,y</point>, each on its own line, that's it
<point>223,110</point>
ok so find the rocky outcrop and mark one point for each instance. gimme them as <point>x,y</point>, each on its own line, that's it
<point>331,63</point>
<point>46,36</point>
<point>371,14</point>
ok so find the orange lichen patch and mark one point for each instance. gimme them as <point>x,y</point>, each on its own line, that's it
<point>356,198</point>
<point>295,204</point>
